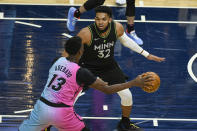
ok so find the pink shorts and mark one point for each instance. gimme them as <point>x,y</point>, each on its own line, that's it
<point>62,118</point>
<point>69,121</point>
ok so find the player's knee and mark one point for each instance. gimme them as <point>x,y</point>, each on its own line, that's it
<point>130,2</point>
<point>90,4</point>
<point>126,98</point>
<point>100,2</point>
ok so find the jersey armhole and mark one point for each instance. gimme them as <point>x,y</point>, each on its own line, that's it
<point>89,44</point>
<point>115,30</point>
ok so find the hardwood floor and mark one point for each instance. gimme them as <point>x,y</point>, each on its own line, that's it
<point>156,3</point>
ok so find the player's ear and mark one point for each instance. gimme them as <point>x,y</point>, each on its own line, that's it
<point>64,54</point>
<point>81,49</point>
<point>110,20</point>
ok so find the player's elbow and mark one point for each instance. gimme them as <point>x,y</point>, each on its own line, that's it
<point>107,91</point>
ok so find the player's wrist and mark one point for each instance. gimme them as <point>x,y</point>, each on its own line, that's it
<point>135,82</point>
<point>144,53</point>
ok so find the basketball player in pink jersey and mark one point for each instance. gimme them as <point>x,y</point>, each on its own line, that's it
<point>65,82</point>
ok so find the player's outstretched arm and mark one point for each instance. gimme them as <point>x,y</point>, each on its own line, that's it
<point>129,43</point>
<point>139,81</point>
<point>155,58</point>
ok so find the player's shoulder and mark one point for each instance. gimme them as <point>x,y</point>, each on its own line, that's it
<point>118,25</point>
<point>119,28</point>
<point>85,35</point>
<point>85,29</point>
<point>60,59</point>
<point>84,32</point>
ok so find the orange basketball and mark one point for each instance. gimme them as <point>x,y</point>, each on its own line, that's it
<point>155,83</point>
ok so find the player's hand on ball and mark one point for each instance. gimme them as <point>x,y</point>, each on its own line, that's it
<point>149,82</point>
<point>143,81</point>
<point>152,82</point>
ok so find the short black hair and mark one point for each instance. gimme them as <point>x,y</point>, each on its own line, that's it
<point>104,9</point>
<point>73,45</point>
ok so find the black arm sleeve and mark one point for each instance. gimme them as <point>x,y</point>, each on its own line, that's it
<point>85,78</point>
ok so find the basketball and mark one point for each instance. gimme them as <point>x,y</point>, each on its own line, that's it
<point>155,83</point>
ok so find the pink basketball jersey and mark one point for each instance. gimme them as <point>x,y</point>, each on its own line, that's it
<point>61,86</point>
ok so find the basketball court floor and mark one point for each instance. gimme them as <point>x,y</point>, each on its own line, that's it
<point>31,36</point>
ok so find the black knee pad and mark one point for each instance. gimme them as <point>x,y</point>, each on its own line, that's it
<point>100,2</point>
<point>90,4</point>
<point>130,8</point>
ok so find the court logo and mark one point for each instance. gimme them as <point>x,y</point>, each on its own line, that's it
<point>189,67</point>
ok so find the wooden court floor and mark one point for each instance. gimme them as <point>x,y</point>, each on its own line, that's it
<point>156,3</point>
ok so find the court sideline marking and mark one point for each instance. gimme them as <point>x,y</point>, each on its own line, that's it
<point>62,19</point>
<point>29,24</point>
<point>155,120</point>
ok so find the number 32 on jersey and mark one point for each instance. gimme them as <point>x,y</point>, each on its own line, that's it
<point>104,53</point>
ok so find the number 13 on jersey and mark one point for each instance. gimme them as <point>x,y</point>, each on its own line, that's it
<point>56,83</point>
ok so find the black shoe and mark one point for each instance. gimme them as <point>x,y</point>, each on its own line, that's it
<point>129,127</point>
<point>48,128</point>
